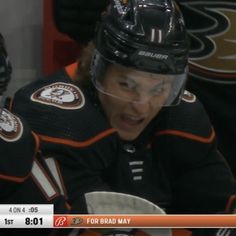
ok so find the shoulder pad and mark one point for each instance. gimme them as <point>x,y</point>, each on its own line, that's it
<point>187,129</point>
<point>56,107</point>
<point>18,147</point>
<point>189,117</point>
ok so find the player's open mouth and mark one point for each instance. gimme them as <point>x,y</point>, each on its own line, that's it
<point>129,121</point>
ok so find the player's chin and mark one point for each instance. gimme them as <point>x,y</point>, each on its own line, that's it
<point>131,133</point>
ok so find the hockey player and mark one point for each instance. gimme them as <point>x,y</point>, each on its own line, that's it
<point>213,82</point>
<point>21,162</point>
<point>131,127</point>
<point>14,134</point>
<point>24,178</point>
<point>212,70</point>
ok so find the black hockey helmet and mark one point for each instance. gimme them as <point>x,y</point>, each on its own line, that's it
<point>147,35</point>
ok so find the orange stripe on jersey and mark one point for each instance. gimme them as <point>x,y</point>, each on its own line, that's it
<point>231,205</point>
<point>68,206</point>
<point>37,142</point>
<point>13,178</point>
<point>11,104</point>
<point>71,70</point>
<point>194,137</point>
<point>77,144</point>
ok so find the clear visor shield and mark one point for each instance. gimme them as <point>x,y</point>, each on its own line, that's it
<point>142,87</point>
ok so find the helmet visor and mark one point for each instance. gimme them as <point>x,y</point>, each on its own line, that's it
<point>137,86</point>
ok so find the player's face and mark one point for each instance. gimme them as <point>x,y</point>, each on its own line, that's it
<point>132,98</point>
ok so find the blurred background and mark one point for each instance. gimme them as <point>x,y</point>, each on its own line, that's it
<point>21,25</point>
<point>34,46</point>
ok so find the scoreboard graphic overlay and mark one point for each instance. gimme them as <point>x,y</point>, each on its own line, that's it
<point>26,216</point>
<point>41,216</point>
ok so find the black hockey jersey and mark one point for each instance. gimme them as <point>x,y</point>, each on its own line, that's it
<point>174,163</point>
<point>76,139</point>
<point>18,148</point>
<point>23,174</point>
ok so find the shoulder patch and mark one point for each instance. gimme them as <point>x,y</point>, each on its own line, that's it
<point>63,95</point>
<point>188,97</point>
<point>11,128</point>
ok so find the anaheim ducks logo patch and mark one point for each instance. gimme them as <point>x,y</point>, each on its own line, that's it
<point>11,128</point>
<point>188,97</point>
<point>62,95</point>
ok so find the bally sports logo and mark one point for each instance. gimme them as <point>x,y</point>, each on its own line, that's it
<point>62,95</point>
<point>60,221</point>
<point>11,128</point>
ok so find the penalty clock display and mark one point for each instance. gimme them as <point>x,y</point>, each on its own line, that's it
<point>26,216</point>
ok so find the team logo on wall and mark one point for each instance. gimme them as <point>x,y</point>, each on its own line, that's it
<point>212,30</point>
<point>11,127</point>
<point>62,95</point>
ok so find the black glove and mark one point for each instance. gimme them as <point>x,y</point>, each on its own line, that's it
<point>5,67</point>
<point>77,18</point>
